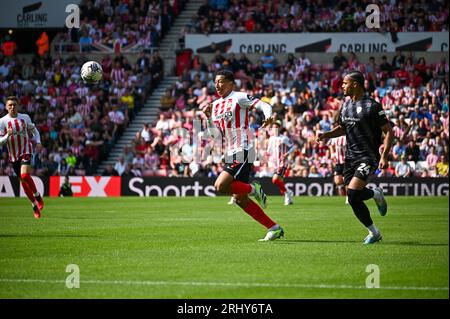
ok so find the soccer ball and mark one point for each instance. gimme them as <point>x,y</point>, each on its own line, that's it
<point>91,72</point>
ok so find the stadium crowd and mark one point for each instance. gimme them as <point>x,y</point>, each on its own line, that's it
<point>234,16</point>
<point>121,23</point>
<point>304,97</point>
<point>78,124</point>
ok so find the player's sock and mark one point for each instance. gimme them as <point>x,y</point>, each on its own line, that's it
<point>28,180</point>
<point>373,229</point>
<point>258,214</point>
<point>359,208</point>
<point>280,185</point>
<point>341,190</point>
<point>362,213</point>
<point>366,193</point>
<point>28,192</point>
<point>238,187</point>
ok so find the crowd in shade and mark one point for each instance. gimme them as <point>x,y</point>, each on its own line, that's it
<point>78,123</point>
<point>123,23</point>
<point>256,16</point>
<point>304,97</point>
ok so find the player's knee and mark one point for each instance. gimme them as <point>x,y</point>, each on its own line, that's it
<point>220,187</point>
<point>354,196</point>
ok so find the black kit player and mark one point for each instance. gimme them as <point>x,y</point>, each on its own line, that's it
<point>363,122</point>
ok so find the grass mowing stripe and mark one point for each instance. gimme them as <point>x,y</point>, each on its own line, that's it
<point>229,284</point>
<point>203,248</point>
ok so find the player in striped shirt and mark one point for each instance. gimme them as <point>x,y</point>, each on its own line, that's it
<point>337,147</point>
<point>15,129</point>
<point>230,114</point>
<point>279,148</point>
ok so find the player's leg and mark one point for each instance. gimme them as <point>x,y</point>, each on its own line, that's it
<point>278,180</point>
<point>23,170</point>
<point>357,193</point>
<point>274,230</point>
<point>234,180</point>
<point>338,180</point>
<point>226,184</point>
<point>25,174</point>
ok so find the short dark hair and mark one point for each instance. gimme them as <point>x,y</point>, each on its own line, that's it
<point>12,98</point>
<point>227,74</point>
<point>356,76</point>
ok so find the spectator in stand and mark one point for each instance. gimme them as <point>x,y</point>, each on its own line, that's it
<point>120,165</point>
<point>432,158</point>
<point>268,61</point>
<point>167,101</point>
<point>398,151</point>
<point>412,151</point>
<point>146,134</point>
<point>398,61</point>
<point>402,169</point>
<point>442,166</point>
<point>338,60</point>
<point>110,171</point>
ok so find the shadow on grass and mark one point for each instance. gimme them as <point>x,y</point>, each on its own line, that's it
<point>393,243</point>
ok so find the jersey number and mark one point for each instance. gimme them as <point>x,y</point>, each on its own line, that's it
<point>364,169</point>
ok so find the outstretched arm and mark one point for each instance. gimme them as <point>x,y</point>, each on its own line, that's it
<point>335,132</point>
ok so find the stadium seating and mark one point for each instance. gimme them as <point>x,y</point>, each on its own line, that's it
<point>302,118</point>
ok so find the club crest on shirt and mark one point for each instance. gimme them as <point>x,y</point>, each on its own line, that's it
<point>358,109</point>
<point>225,115</point>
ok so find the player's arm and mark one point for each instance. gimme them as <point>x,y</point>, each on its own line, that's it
<point>335,132</point>
<point>4,138</point>
<point>34,131</point>
<point>205,114</point>
<point>387,143</point>
<point>379,116</point>
<point>291,148</point>
<point>267,110</point>
<point>250,102</point>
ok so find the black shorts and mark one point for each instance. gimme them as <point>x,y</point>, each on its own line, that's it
<point>23,160</point>
<point>239,165</point>
<point>281,170</point>
<point>338,169</point>
<point>362,169</point>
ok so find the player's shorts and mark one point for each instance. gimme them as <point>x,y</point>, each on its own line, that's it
<point>362,169</point>
<point>281,170</point>
<point>239,165</point>
<point>338,169</point>
<point>25,159</point>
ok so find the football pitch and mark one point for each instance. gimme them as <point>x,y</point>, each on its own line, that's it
<point>190,247</point>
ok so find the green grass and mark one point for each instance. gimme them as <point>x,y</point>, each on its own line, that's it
<point>203,248</point>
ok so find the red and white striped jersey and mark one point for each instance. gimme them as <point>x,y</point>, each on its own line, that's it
<point>338,149</point>
<point>278,146</point>
<point>19,143</point>
<point>231,116</point>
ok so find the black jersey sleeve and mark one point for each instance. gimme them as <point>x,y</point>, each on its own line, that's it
<point>378,115</point>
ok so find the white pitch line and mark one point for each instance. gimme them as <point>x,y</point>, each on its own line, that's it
<point>227,284</point>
